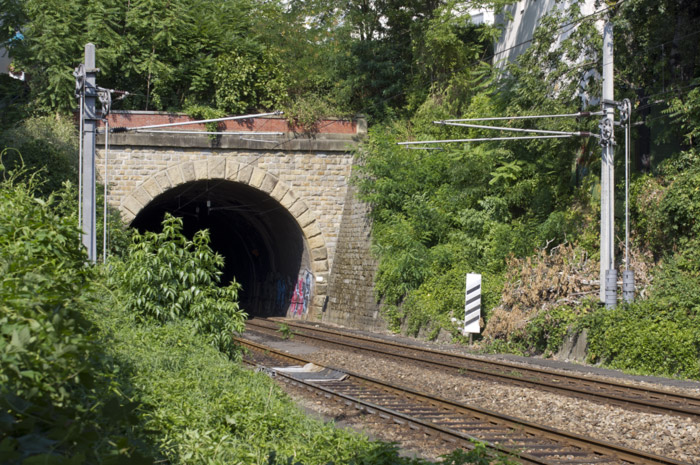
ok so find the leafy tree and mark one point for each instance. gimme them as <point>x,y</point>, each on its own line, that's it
<point>245,82</point>
<point>167,277</point>
<point>162,51</point>
<point>52,40</point>
<point>656,56</point>
<point>157,28</point>
<point>440,214</point>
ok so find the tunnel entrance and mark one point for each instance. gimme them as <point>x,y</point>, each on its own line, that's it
<point>262,244</point>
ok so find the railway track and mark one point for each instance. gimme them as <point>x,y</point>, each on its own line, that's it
<point>458,424</point>
<point>641,398</point>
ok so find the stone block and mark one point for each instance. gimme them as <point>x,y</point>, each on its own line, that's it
<point>279,191</point>
<point>217,168</point>
<point>288,200</point>
<point>201,169</point>
<point>244,174</point>
<point>298,209</point>
<point>163,181</point>
<point>127,216</point>
<point>323,275</point>
<point>321,288</point>
<point>257,178</point>
<point>175,175</point>
<point>305,219</point>
<point>575,347</point>
<point>232,168</point>
<point>143,197</point>
<point>320,253</point>
<point>316,242</point>
<point>188,173</point>
<point>312,230</point>
<point>321,266</point>
<point>268,184</point>
<point>131,205</point>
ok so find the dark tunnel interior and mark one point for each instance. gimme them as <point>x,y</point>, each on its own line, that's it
<point>262,244</point>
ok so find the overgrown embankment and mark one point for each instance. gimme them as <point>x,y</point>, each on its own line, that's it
<point>524,213</point>
<point>94,371</point>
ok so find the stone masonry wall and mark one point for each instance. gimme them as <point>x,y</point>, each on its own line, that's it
<point>307,173</point>
<point>351,299</point>
<point>320,179</point>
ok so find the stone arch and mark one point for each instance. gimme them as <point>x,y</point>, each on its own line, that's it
<point>227,169</point>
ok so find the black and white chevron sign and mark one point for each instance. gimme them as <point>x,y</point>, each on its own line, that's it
<point>472,305</point>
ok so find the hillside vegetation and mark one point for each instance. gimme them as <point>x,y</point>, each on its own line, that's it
<point>94,361</point>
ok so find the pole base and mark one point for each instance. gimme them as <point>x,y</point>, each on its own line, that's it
<point>611,288</point>
<point>628,286</point>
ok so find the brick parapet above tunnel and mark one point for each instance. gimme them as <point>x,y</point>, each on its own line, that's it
<point>329,135</point>
<point>333,126</point>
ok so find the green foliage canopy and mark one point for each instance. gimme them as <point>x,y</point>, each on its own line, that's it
<point>163,51</point>
<point>465,208</point>
<point>45,143</point>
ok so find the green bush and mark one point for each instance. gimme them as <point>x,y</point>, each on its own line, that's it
<point>166,277</point>
<point>639,339</point>
<point>199,407</point>
<point>545,333</point>
<point>14,95</point>
<point>248,81</point>
<point>665,208</point>
<point>305,112</point>
<point>47,143</point>
<point>200,112</point>
<point>44,284</point>
<point>58,403</point>
<point>676,283</point>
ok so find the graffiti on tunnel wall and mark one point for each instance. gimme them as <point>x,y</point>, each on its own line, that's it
<point>281,295</point>
<point>301,296</point>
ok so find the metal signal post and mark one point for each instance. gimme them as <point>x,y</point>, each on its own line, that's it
<point>89,122</point>
<point>608,273</point>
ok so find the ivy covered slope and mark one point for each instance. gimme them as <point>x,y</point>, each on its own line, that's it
<point>468,207</point>
<point>525,213</point>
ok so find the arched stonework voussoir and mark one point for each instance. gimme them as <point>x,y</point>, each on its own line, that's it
<point>230,170</point>
<point>305,218</point>
<point>165,179</point>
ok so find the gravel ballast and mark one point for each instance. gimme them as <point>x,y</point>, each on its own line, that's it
<point>671,436</point>
<point>666,435</point>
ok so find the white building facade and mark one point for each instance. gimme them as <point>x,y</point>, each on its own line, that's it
<point>520,19</point>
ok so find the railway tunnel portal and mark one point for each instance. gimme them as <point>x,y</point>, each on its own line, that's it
<point>279,209</point>
<point>263,247</point>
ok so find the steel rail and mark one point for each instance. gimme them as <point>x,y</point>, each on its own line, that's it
<point>602,450</point>
<point>644,398</point>
<point>446,434</point>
